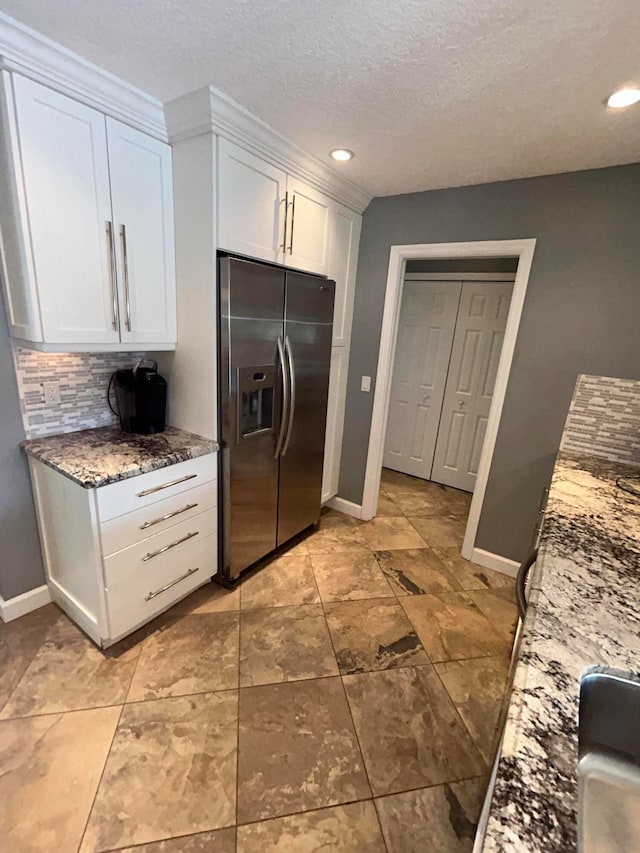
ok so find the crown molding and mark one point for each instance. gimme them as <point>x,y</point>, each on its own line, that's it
<point>208,110</point>
<point>27,52</point>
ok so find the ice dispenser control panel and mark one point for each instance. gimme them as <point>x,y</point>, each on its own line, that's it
<point>256,400</point>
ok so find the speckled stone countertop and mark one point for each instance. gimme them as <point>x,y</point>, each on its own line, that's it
<point>584,610</point>
<point>97,457</point>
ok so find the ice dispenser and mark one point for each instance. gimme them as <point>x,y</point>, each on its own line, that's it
<point>256,400</point>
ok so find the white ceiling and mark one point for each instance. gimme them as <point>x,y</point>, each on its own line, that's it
<point>428,93</point>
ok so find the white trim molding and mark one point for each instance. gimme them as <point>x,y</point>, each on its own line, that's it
<point>33,55</point>
<point>488,560</point>
<point>345,506</point>
<point>208,110</point>
<point>18,606</point>
<point>398,256</point>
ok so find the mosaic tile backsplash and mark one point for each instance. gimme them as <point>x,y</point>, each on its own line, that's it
<point>604,419</point>
<point>83,379</point>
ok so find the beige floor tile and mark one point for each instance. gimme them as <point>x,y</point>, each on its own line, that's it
<point>188,654</point>
<point>51,767</point>
<point>298,750</point>
<point>369,635</point>
<point>477,689</point>
<point>171,771</point>
<point>441,532</point>
<point>415,571</point>
<point>409,731</point>
<point>446,815</point>
<point>70,673</point>
<point>284,581</point>
<point>216,841</point>
<point>499,608</point>
<point>285,644</point>
<point>210,598</point>
<point>335,536</point>
<point>470,576</point>
<point>344,829</point>
<point>459,502</point>
<point>387,507</point>
<point>393,483</point>
<point>349,575</point>
<point>388,534</point>
<point>19,642</point>
<point>451,627</point>
<point>422,504</point>
<point>297,549</point>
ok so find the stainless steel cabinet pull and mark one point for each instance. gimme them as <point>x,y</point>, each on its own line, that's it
<point>169,547</point>
<point>283,246</point>
<point>173,583</point>
<point>293,219</point>
<point>292,406</point>
<point>285,399</point>
<point>168,515</point>
<point>125,271</point>
<point>166,485</point>
<point>112,274</point>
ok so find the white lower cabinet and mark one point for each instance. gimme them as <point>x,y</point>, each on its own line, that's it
<point>119,555</point>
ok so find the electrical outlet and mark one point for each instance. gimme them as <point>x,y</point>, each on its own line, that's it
<point>51,392</point>
<point>365,384</point>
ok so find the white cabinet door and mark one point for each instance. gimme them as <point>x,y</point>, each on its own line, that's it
<point>63,150</point>
<point>251,204</point>
<point>425,335</point>
<point>142,200</point>
<point>309,228</point>
<point>343,260</point>
<point>477,345</point>
<point>335,421</point>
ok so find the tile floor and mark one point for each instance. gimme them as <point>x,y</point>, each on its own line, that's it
<point>343,698</point>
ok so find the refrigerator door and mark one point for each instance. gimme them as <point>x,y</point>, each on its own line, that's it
<point>308,329</point>
<point>251,322</point>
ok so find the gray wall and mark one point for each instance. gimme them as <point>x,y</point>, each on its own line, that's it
<point>463,265</point>
<point>581,315</point>
<point>20,559</point>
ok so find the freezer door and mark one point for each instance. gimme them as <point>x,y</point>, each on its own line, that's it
<point>251,321</point>
<point>308,329</point>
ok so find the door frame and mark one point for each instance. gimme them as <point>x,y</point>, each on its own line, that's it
<point>398,255</point>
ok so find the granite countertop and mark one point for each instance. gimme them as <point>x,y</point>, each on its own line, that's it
<point>583,611</point>
<point>97,457</point>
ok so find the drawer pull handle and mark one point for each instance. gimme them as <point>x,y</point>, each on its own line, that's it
<point>168,547</point>
<point>166,485</point>
<point>169,585</point>
<point>168,515</point>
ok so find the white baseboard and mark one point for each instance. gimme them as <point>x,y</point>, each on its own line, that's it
<point>347,507</point>
<point>25,603</point>
<point>494,561</point>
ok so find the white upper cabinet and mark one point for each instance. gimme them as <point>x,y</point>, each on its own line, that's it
<point>79,189</point>
<point>63,150</point>
<point>142,200</point>
<point>251,204</point>
<point>267,214</point>
<point>343,260</point>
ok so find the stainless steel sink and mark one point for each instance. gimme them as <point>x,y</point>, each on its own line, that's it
<point>609,763</point>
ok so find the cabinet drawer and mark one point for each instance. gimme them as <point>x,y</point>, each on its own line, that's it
<point>161,582</point>
<point>144,558</point>
<point>137,492</point>
<point>125,530</point>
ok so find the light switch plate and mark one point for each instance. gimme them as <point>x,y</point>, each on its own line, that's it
<point>365,384</point>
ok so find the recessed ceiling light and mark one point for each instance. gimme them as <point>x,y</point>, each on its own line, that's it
<point>623,98</point>
<point>342,154</point>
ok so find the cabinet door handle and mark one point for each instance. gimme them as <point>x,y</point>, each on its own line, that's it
<point>293,219</point>
<point>168,515</point>
<point>112,274</point>
<point>125,275</point>
<point>169,547</point>
<point>166,485</point>
<point>283,245</point>
<point>172,583</point>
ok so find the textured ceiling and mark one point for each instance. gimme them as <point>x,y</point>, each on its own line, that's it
<point>428,93</point>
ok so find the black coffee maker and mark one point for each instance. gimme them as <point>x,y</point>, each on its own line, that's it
<point>141,398</point>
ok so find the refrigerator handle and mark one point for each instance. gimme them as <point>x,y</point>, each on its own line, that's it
<point>292,405</point>
<point>285,399</point>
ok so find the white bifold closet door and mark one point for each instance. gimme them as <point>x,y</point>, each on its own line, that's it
<point>425,336</point>
<point>477,344</point>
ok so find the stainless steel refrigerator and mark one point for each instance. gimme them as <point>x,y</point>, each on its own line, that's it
<point>275,351</point>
